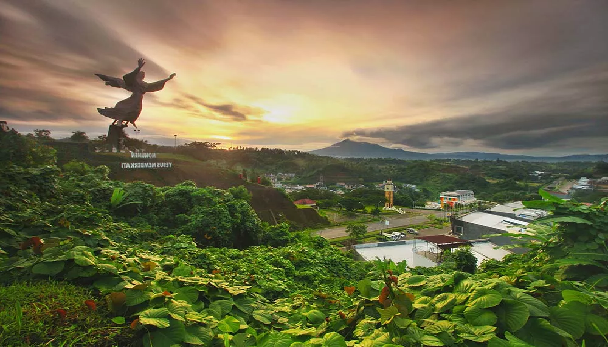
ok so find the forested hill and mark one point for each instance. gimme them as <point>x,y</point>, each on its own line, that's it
<point>353,149</point>
<point>271,205</point>
<point>495,180</point>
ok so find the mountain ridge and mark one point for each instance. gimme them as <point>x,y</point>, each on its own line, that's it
<point>354,149</point>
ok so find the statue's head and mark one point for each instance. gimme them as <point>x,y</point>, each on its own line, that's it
<point>141,75</point>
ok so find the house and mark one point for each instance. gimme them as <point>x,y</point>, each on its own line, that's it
<point>305,202</point>
<point>4,126</point>
<point>458,196</point>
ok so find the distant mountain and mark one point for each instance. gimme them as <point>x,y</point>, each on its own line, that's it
<point>354,149</point>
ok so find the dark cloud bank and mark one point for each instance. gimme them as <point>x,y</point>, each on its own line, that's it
<point>575,112</point>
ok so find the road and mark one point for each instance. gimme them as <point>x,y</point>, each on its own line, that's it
<point>394,221</point>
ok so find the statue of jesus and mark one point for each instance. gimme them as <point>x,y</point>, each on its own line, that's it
<point>128,110</point>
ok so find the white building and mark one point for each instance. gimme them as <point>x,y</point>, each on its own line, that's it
<point>458,196</point>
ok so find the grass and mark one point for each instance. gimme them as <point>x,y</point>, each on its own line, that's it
<point>54,313</point>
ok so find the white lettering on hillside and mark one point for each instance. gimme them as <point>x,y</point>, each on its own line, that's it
<point>147,165</point>
<point>143,155</point>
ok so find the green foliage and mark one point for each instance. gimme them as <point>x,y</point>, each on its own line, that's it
<point>240,192</point>
<point>461,259</point>
<point>37,313</point>
<point>24,151</point>
<point>356,231</point>
<point>79,136</point>
<point>157,271</point>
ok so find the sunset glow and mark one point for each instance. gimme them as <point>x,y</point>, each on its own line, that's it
<point>514,77</point>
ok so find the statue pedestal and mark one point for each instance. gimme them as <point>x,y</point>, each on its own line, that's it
<point>116,137</point>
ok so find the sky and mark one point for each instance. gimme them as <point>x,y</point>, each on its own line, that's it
<point>519,76</point>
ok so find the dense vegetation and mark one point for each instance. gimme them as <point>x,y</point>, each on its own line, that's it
<point>133,264</point>
<point>491,180</point>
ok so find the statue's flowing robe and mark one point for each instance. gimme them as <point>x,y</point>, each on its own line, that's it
<point>129,108</point>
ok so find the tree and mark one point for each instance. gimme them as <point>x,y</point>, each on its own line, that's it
<point>465,260</point>
<point>356,231</point>
<point>42,134</point>
<point>79,136</point>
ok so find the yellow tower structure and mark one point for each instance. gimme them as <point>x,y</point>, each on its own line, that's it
<point>389,190</point>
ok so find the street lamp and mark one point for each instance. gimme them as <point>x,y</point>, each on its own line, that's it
<point>175,137</point>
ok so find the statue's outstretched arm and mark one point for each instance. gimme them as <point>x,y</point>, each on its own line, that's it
<point>112,81</point>
<point>158,85</point>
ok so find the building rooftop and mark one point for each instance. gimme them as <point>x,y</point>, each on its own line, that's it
<point>398,251</point>
<point>517,208</point>
<point>458,192</point>
<point>444,241</point>
<point>494,221</point>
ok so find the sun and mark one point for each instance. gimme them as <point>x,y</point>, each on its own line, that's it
<point>284,108</point>
<point>278,114</point>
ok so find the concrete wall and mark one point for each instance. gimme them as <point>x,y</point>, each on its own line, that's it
<point>474,232</point>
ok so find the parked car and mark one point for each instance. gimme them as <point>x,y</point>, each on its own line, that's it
<point>395,236</point>
<point>411,231</point>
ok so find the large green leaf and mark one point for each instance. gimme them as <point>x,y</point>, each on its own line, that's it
<point>387,314</point>
<point>229,324</point>
<point>512,341</point>
<point>246,305</point>
<point>596,325</point>
<point>155,316</point>
<point>479,316</point>
<point>109,268</point>
<point>188,294</point>
<point>274,339</point>
<point>136,297</point>
<point>512,315</point>
<point>439,326</point>
<point>465,286</point>
<point>312,331</point>
<point>84,258</point>
<point>424,311</point>
<point>536,307</point>
<point>198,335</point>
<point>429,340</point>
<point>333,339</point>
<point>222,306</point>
<point>315,317</point>
<point>484,298</point>
<point>170,336</point>
<point>539,333</point>
<point>178,309</point>
<point>51,268</point>
<point>416,281</point>
<point>575,295</point>
<point>570,321</point>
<point>548,197</point>
<point>365,288</point>
<point>262,316</point>
<point>478,333</point>
<point>444,302</point>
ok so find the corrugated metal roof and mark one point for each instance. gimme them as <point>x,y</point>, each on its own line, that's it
<point>494,221</point>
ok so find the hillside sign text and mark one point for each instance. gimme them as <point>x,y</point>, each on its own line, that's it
<point>145,165</point>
